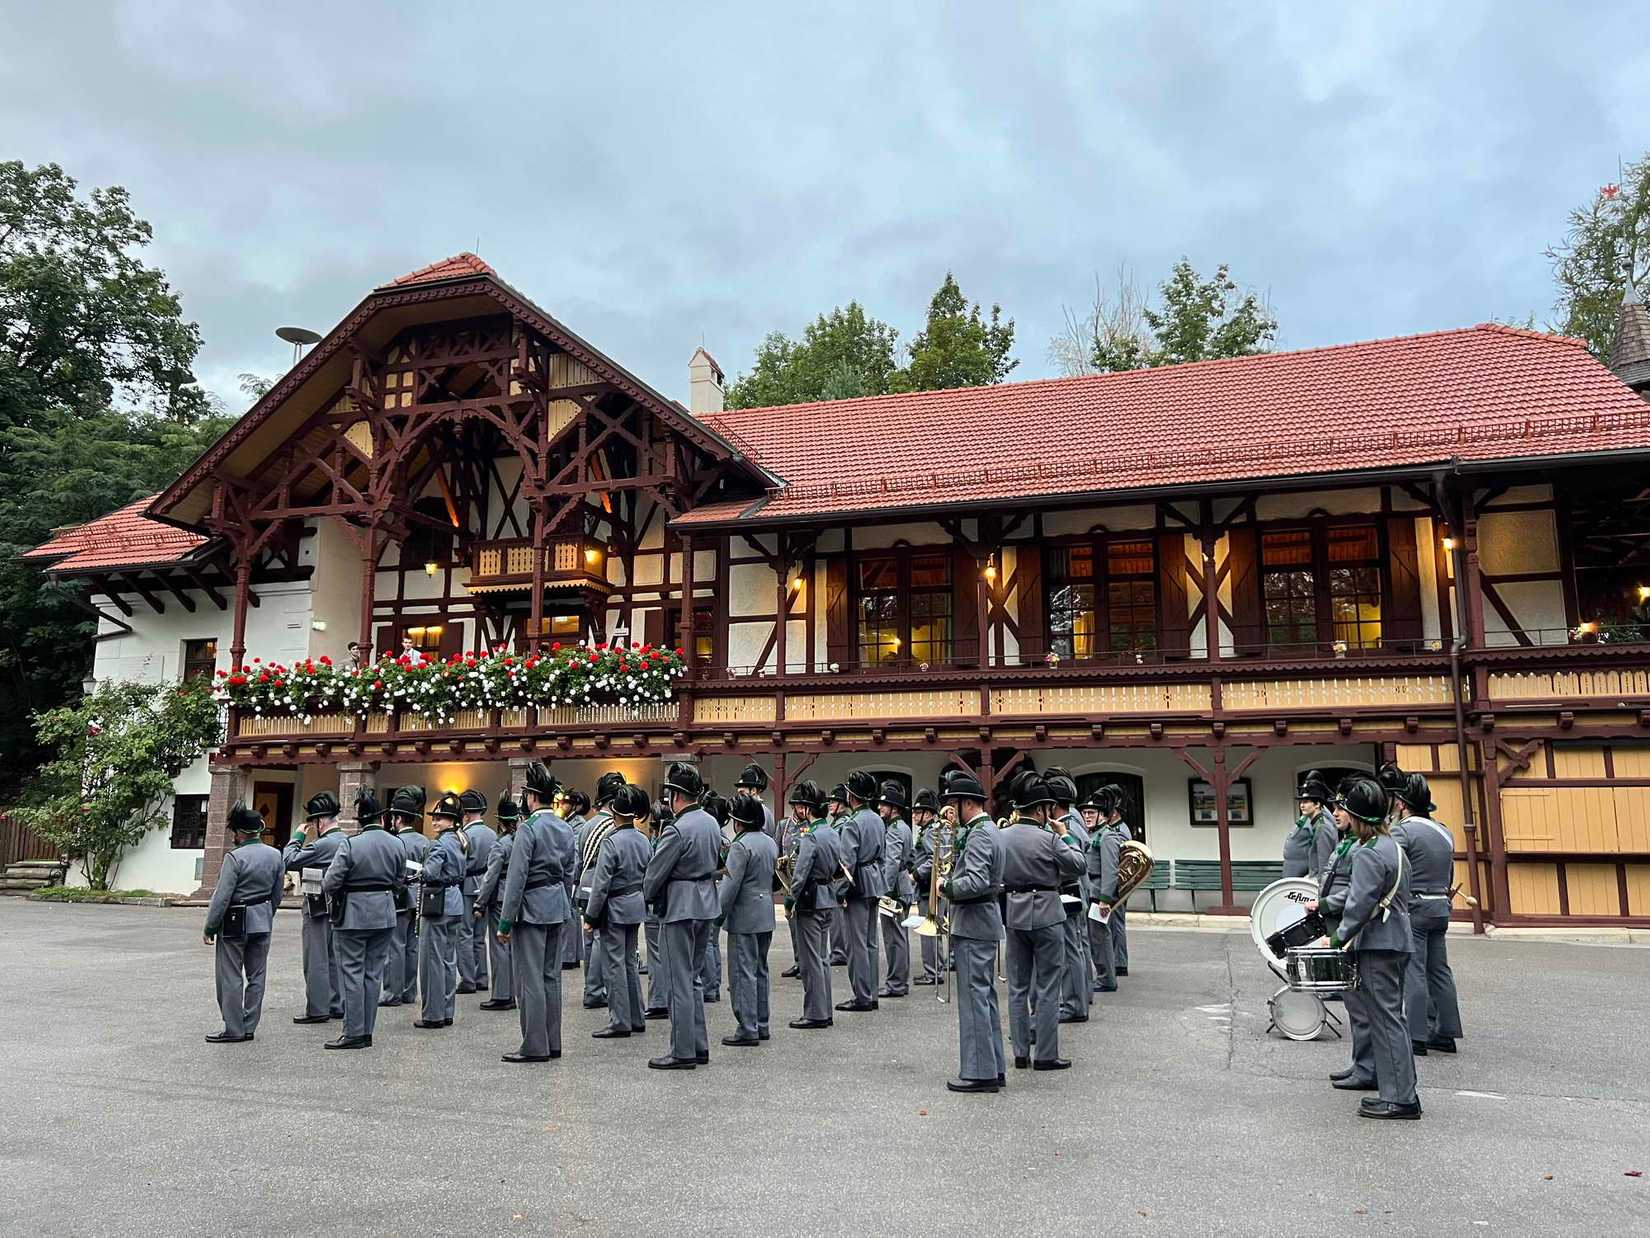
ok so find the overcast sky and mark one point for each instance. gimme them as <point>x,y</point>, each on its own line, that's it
<point>664,175</point>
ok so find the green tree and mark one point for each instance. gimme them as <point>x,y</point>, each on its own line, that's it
<point>959,347</point>
<point>841,354</point>
<point>114,755</point>
<point>1607,243</point>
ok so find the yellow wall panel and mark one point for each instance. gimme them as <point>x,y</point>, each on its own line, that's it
<point>1533,889</point>
<point>1571,762</point>
<point>1527,818</point>
<point>1592,889</point>
<point>1632,806</point>
<point>1638,889</point>
<point>1631,760</point>
<point>1447,795</point>
<point>1586,819</point>
<point>1417,757</point>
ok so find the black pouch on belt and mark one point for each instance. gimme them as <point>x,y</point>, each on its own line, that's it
<point>233,927</point>
<point>432,901</point>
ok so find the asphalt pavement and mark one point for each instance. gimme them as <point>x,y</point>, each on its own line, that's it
<point>1182,1115</point>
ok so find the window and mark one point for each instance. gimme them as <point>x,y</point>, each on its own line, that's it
<point>1071,613</point>
<point>200,657</point>
<point>425,542</point>
<point>881,616</point>
<point>930,608</point>
<point>1131,595</point>
<point>1322,585</point>
<point>426,638</point>
<point>1355,586</point>
<point>1102,597</point>
<point>1289,588</point>
<point>904,604</point>
<point>704,633</point>
<point>188,822</point>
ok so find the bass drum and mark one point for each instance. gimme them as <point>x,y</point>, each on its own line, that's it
<point>1275,908</point>
<point>1299,1016</point>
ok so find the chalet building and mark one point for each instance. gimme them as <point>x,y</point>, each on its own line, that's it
<point>1197,582</point>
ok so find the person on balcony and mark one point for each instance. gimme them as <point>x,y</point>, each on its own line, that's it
<point>615,910</point>
<point>360,886</point>
<point>1077,987</point>
<point>897,863</point>
<point>976,929</point>
<point>407,824</point>
<point>862,847</point>
<point>1311,844</point>
<point>323,994</point>
<point>412,654</point>
<point>441,905</point>
<point>753,781</point>
<point>836,816</point>
<point>595,966</point>
<point>239,923</point>
<point>472,950</point>
<point>746,899</point>
<point>572,807</point>
<point>1432,1008</point>
<point>681,884</point>
<point>488,897</point>
<point>537,904</point>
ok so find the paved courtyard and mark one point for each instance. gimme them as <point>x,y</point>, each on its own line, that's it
<point>1181,1115</point>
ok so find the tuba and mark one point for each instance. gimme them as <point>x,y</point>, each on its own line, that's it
<point>1134,865</point>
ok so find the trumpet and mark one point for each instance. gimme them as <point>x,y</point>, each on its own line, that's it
<point>934,924</point>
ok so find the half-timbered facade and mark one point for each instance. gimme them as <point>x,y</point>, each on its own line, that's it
<point>1197,581</point>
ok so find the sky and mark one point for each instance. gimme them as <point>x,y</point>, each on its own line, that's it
<point>660,176</point>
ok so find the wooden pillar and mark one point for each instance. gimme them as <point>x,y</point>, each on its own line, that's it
<point>227,788</point>
<point>369,589</point>
<point>1502,909</point>
<point>780,787</point>
<point>1211,590</point>
<point>982,600</point>
<point>353,778</point>
<point>988,779</point>
<point>243,588</point>
<point>535,622</point>
<point>684,623</point>
<point>1222,784</point>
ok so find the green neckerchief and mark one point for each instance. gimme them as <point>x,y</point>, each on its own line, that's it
<point>256,838</point>
<point>1345,846</point>
<point>1303,822</point>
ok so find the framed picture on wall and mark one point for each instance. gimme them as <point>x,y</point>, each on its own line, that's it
<point>1238,802</point>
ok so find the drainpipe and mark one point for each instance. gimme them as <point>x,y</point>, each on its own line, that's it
<point>1469,825</point>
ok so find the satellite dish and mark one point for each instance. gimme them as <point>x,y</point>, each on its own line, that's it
<point>302,337</point>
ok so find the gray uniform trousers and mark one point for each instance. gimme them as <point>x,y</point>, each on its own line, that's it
<point>839,938</point>
<point>896,942</point>
<point>658,977</point>
<point>1429,986</point>
<point>395,961</point>
<point>1101,951</point>
<point>861,914</point>
<point>1381,979</point>
<point>710,967</point>
<point>933,958</point>
<point>572,945</point>
<point>748,981</point>
<point>438,966</point>
<point>684,951</point>
<point>813,961</point>
<point>362,954</point>
<point>595,966</point>
<point>504,973</point>
<point>979,1024</point>
<point>403,983</point>
<point>322,991</point>
<point>1120,935</point>
<point>1077,978</point>
<point>536,956</point>
<point>624,993</point>
<point>469,972</point>
<point>1363,1049</point>
<point>240,970</point>
<point>1036,975</point>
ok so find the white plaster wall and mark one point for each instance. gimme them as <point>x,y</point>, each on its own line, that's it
<point>1540,492</point>
<point>879,536</point>
<point>745,641</point>
<point>1538,606</point>
<point>752,589</point>
<point>1130,519</point>
<point>1426,535</point>
<point>335,588</point>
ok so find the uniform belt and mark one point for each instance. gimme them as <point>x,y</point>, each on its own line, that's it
<point>1428,894</point>
<point>674,880</point>
<point>621,891</point>
<point>1031,889</point>
<point>374,887</point>
<point>542,882</point>
<point>990,896</point>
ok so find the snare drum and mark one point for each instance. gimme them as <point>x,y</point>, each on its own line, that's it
<point>1321,969</point>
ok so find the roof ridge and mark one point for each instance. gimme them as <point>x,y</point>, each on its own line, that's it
<point>1553,337</point>
<point>467,263</point>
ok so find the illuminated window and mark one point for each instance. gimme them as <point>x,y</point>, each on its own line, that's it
<point>426,638</point>
<point>200,658</point>
<point>1322,585</point>
<point>1102,597</point>
<point>904,603</point>
<point>1355,586</point>
<point>1071,613</point>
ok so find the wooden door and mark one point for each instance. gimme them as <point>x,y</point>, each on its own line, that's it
<point>273,802</point>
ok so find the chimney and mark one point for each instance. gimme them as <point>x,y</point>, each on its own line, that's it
<point>704,384</point>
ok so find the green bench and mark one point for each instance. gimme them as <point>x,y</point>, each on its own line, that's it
<point>1204,875</point>
<point>1158,880</point>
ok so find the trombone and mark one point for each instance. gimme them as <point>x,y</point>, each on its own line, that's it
<point>935,923</point>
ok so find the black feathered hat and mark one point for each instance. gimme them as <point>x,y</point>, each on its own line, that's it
<point>1060,786</point>
<point>924,799</point>
<point>408,802</point>
<point>367,808</point>
<point>748,810</point>
<point>862,785</point>
<point>244,820</point>
<point>541,782</point>
<point>631,803</point>
<point>321,804</point>
<point>1365,799</point>
<point>1313,787</point>
<point>508,811</point>
<point>893,794</point>
<point>449,805</point>
<point>753,776</point>
<point>1390,778</point>
<point>473,801</point>
<point>717,806</point>
<point>808,794</point>
<point>1417,794</point>
<point>1032,791</point>
<point>957,784</point>
<point>839,793</point>
<point>684,777</point>
<point>607,786</point>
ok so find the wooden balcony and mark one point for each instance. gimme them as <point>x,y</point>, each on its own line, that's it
<point>506,564</point>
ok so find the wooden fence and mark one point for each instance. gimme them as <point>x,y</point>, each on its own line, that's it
<point>19,843</point>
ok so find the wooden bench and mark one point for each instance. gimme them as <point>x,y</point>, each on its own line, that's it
<point>1158,880</point>
<point>1204,875</point>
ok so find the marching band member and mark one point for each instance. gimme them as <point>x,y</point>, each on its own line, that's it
<point>862,834</point>
<point>573,807</point>
<point>533,915</point>
<point>488,896</point>
<point>812,904</point>
<point>1376,921</point>
<point>1434,1012</point>
<point>836,816</point>
<point>360,886</point>
<point>803,811</point>
<point>1105,849</point>
<point>249,886</point>
<point>1036,862</point>
<point>710,963</point>
<point>1077,988</point>
<point>658,979</point>
<point>595,968</point>
<point>1120,913</point>
<point>440,907</point>
<point>897,862</point>
<point>746,899</point>
<point>976,928</point>
<point>753,781</point>
<point>616,911</point>
<point>681,877</point>
<point>930,833</point>
<point>323,995</point>
<point>1309,846</point>
<point>472,950</point>
<point>1333,887</point>
<point>406,818</point>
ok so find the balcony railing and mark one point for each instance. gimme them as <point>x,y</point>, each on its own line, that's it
<point>506,564</point>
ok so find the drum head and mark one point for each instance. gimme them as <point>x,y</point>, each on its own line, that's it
<point>1277,907</point>
<point>1299,1016</point>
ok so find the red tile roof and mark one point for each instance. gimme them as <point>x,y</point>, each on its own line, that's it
<point>456,267</point>
<point>124,538</point>
<point>1479,393</point>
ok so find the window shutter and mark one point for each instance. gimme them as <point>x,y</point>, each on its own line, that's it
<point>1173,631</point>
<point>1028,576</point>
<point>1401,617</point>
<point>653,626</point>
<point>839,629</point>
<point>1243,573</point>
<point>965,599</point>
<point>384,640</point>
<point>452,639</point>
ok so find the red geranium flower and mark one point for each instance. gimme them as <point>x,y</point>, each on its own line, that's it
<point>555,647</point>
<point>325,661</point>
<point>379,684</point>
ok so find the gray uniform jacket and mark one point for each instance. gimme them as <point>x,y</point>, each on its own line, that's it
<point>818,859</point>
<point>616,878</point>
<point>976,880</point>
<point>444,865</point>
<point>1430,850</point>
<point>374,857</point>
<point>682,871</point>
<point>491,889</point>
<point>1035,863</point>
<point>863,836</point>
<point>1375,866</point>
<point>897,859</point>
<point>1298,849</point>
<point>315,853</point>
<point>251,878</point>
<point>1105,848</point>
<point>415,843</point>
<point>1325,838</point>
<point>1334,885</point>
<point>746,893</point>
<point>482,841</point>
<point>1077,837</point>
<point>540,877</point>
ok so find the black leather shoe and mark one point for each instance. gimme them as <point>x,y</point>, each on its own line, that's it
<point>741,1042</point>
<point>656,1012</point>
<point>1418,1048</point>
<point>971,1085</point>
<point>1105,988</point>
<point>1002,1082</point>
<point>1074,1018</point>
<point>430,1024</point>
<point>1020,1063</point>
<point>839,962</point>
<point>601,1005</point>
<point>925,980</point>
<point>1387,1109</point>
<point>808,1025</point>
<point>497,1003</point>
<point>1353,1084</point>
<point>701,1059</point>
<point>636,1029</point>
<point>1122,971</point>
<point>349,1042</point>
<point>856,1007</point>
<point>670,1063</point>
<point>224,1038</point>
<point>311,1018</point>
<point>712,998</point>
<point>1341,1074</point>
<point>481,986</point>
<point>336,1014</point>
<point>1444,1044</point>
<point>791,972</point>
<point>762,1035</point>
<point>611,1033</point>
<point>466,988</point>
<point>529,1057</point>
<point>1053,1063</point>
<point>891,993</point>
<point>389,1001</point>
